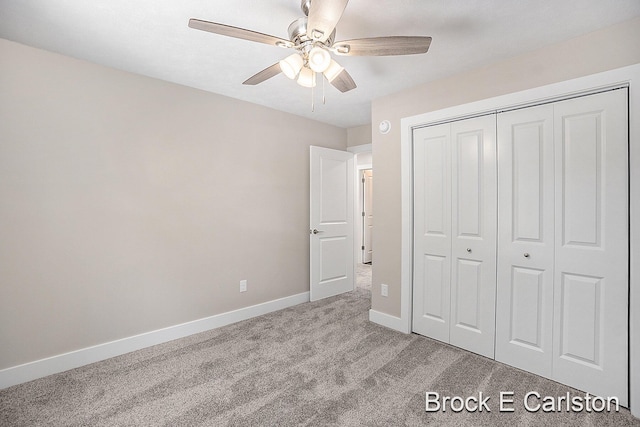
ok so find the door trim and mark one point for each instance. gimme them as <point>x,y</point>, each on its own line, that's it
<point>363,148</point>
<point>613,79</point>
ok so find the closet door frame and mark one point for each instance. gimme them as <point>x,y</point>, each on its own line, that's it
<point>613,79</point>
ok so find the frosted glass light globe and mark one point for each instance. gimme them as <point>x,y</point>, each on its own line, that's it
<point>307,77</point>
<point>319,59</point>
<point>291,65</point>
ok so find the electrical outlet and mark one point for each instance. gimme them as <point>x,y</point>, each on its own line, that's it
<point>384,290</point>
<point>243,286</point>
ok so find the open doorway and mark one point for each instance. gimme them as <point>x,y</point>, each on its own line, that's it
<point>367,215</point>
<point>364,217</point>
<point>365,225</point>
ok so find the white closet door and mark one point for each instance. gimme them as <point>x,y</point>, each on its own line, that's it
<point>473,230</point>
<point>524,304</point>
<point>432,231</point>
<point>591,269</point>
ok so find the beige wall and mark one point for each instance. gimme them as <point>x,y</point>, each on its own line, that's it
<point>129,204</point>
<point>359,135</point>
<point>607,49</point>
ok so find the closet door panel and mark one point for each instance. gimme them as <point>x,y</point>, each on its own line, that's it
<point>473,192</point>
<point>432,232</point>
<point>524,312</point>
<point>591,270</point>
<point>468,288</point>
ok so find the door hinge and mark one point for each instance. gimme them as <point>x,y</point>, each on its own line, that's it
<point>362,213</point>
<point>363,248</point>
<point>363,180</point>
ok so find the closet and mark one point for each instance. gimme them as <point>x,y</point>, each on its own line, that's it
<point>455,233</point>
<point>521,238</point>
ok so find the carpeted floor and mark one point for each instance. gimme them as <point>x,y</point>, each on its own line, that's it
<point>320,363</point>
<point>363,276</point>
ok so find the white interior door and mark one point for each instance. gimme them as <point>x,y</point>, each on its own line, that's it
<point>524,304</point>
<point>473,230</point>
<point>432,231</point>
<point>592,243</point>
<point>455,233</point>
<point>367,216</point>
<point>331,223</point>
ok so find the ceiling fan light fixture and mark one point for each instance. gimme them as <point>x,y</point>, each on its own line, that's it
<point>313,37</point>
<point>333,70</point>
<point>291,65</point>
<point>319,59</point>
<point>307,77</point>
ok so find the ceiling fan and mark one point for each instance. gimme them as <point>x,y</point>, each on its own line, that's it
<point>312,37</point>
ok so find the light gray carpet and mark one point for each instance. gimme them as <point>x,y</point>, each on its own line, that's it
<point>363,276</point>
<point>319,363</point>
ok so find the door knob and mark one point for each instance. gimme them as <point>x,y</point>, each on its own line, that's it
<point>316,231</point>
<point>469,250</point>
<point>526,255</point>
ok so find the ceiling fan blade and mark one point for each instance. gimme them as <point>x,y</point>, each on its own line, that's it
<point>323,18</point>
<point>263,75</point>
<point>383,46</point>
<point>343,82</point>
<point>239,33</point>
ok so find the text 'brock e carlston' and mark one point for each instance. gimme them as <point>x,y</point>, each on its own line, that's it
<point>532,402</point>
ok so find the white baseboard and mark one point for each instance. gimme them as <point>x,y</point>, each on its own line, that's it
<point>384,319</point>
<point>63,362</point>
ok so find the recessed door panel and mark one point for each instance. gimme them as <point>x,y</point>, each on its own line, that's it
<point>333,263</point>
<point>468,286</point>
<point>582,175</point>
<point>581,318</point>
<point>527,170</point>
<point>434,297</point>
<point>469,152</point>
<point>524,313</point>
<point>334,203</point>
<point>592,243</point>
<point>435,185</point>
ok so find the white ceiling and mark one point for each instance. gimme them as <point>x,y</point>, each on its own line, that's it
<point>151,37</point>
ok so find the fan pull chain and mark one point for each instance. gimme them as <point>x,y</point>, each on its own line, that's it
<point>324,101</point>
<point>312,105</point>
